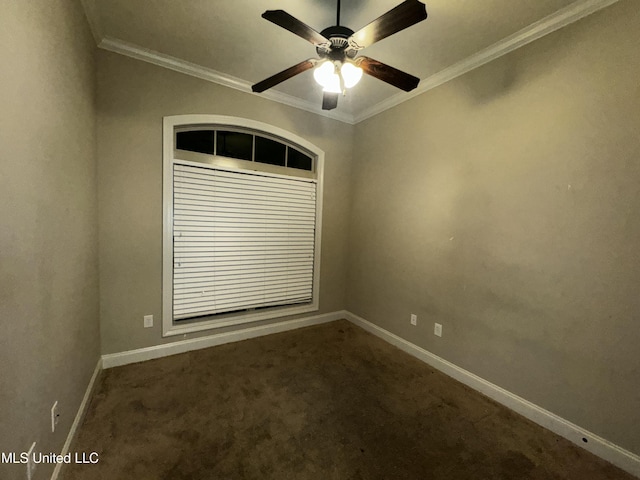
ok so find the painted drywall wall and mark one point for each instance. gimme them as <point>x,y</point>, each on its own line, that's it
<point>503,205</point>
<point>50,343</point>
<point>133,98</point>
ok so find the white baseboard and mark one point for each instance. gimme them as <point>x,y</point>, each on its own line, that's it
<point>614,454</point>
<point>82,409</point>
<point>182,346</point>
<point>599,446</point>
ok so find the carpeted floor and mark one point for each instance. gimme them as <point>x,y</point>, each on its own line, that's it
<point>325,402</point>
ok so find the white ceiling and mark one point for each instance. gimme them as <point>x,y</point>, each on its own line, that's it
<point>228,42</point>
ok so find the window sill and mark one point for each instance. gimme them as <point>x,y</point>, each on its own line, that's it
<point>169,328</point>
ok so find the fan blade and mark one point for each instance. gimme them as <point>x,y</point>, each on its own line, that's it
<point>403,16</point>
<point>284,20</point>
<point>329,100</point>
<point>388,74</point>
<point>283,75</point>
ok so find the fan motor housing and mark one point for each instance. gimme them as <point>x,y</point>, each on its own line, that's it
<point>336,31</point>
<point>339,48</point>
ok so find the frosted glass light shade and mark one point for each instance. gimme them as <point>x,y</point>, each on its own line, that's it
<point>326,76</point>
<point>350,74</point>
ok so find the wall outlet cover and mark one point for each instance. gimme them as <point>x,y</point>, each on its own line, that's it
<point>437,329</point>
<point>148,321</point>
<point>414,319</point>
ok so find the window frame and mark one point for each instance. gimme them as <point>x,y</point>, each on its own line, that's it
<point>170,125</point>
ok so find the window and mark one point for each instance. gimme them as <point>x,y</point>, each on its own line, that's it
<point>242,210</point>
<point>270,151</point>
<point>241,145</point>
<point>201,141</point>
<point>235,145</point>
<point>240,240</point>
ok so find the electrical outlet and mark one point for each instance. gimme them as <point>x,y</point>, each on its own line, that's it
<point>55,416</point>
<point>414,319</point>
<point>148,321</point>
<point>437,329</point>
<point>31,465</point>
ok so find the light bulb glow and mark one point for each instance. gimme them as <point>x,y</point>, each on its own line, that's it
<point>350,74</point>
<point>334,85</point>
<point>326,76</point>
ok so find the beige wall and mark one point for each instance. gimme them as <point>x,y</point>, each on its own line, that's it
<point>132,100</point>
<point>504,205</point>
<point>50,343</point>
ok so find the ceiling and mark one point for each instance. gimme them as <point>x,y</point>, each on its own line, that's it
<point>228,42</point>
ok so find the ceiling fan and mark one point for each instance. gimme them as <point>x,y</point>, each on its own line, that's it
<point>339,67</point>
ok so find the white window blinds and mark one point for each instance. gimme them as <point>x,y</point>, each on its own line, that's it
<point>241,240</point>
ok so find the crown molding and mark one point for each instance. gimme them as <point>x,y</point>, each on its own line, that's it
<point>549,24</point>
<point>93,19</point>
<point>563,17</point>
<point>172,63</point>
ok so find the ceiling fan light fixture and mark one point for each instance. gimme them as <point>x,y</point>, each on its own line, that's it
<point>325,74</point>
<point>351,74</point>
<point>337,46</point>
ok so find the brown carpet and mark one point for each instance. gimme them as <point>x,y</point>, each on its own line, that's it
<point>325,402</point>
